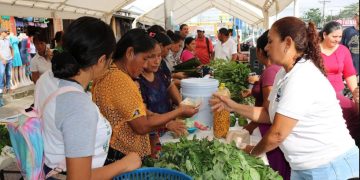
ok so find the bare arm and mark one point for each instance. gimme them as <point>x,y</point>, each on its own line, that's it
<point>266,92</point>
<point>256,114</point>
<point>174,94</point>
<point>351,82</point>
<point>35,76</point>
<point>234,57</point>
<point>80,168</point>
<point>277,133</point>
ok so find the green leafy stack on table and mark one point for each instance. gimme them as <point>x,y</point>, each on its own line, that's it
<point>235,76</point>
<point>204,159</point>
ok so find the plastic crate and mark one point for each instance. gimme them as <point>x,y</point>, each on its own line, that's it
<point>153,174</point>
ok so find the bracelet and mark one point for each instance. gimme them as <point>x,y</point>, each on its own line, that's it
<point>251,150</point>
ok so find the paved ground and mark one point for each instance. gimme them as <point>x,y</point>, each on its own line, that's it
<point>12,108</point>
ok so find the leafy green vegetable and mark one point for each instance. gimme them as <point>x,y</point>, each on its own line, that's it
<point>4,137</point>
<point>235,76</point>
<point>232,120</point>
<point>204,159</point>
<point>242,121</point>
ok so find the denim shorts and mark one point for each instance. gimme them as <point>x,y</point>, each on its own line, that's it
<point>343,167</point>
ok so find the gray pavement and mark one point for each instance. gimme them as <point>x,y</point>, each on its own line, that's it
<point>13,107</point>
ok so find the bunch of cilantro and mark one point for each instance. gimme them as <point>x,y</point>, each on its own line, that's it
<point>235,76</point>
<point>204,159</point>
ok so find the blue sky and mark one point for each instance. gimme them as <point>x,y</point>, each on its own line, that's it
<point>333,7</point>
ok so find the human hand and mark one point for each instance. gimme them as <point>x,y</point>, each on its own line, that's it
<point>188,111</point>
<point>253,79</point>
<point>245,93</point>
<point>3,61</point>
<point>181,75</point>
<point>219,103</point>
<point>248,148</point>
<point>356,95</point>
<point>178,127</point>
<point>132,161</point>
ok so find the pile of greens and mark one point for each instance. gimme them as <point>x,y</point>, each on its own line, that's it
<point>235,76</point>
<point>204,159</point>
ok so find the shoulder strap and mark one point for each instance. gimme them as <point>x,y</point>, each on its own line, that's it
<point>58,92</point>
<point>207,45</point>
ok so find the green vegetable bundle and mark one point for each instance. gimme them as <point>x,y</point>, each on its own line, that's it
<point>235,76</point>
<point>204,159</point>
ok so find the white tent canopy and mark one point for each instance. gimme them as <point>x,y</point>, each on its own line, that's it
<point>250,11</point>
<point>66,9</point>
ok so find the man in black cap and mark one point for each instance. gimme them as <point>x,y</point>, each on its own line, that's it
<point>350,39</point>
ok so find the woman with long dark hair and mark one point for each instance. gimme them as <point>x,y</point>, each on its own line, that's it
<point>76,135</point>
<point>307,122</point>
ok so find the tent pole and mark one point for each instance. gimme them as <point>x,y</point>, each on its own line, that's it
<point>296,8</point>
<point>168,5</point>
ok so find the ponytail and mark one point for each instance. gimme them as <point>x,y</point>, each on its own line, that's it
<point>64,65</point>
<point>313,50</point>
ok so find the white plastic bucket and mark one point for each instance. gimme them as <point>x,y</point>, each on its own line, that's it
<point>200,88</point>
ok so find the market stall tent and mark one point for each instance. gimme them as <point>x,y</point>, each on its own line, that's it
<point>253,12</point>
<point>65,9</point>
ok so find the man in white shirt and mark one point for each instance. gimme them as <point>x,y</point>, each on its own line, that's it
<point>226,49</point>
<point>6,56</point>
<point>184,32</point>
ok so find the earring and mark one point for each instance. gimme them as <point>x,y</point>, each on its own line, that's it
<point>285,50</point>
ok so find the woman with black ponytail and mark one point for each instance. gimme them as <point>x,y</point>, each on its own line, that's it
<point>76,135</point>
<point>307,121</point>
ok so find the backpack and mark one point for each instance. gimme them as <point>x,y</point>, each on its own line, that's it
<point>27,141</point>
<point>208,46</point>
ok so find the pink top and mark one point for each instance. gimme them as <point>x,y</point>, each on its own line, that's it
<point>186,55</point>
<point>338,66</point>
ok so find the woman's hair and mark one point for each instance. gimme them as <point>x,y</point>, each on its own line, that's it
<point>262,41</point>
<point>57,39</point>
<point>329,28</point>
<point>305,38</point>
<point>135,38</point>
<point>156,28</point>
<point>160,37</point>
<point>84,42</point>
<point>174,37</point>
<point>39,37</point>
<point>187,41</point>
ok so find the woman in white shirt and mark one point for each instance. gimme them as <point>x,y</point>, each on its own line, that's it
<point>307,122</point>
<point>74,129</point>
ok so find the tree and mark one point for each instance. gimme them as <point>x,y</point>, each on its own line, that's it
<point>314,15</point>
<point>346,13</point>
<point>349,11</point>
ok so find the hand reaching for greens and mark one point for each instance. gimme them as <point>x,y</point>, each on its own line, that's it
<point>178,127</point>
